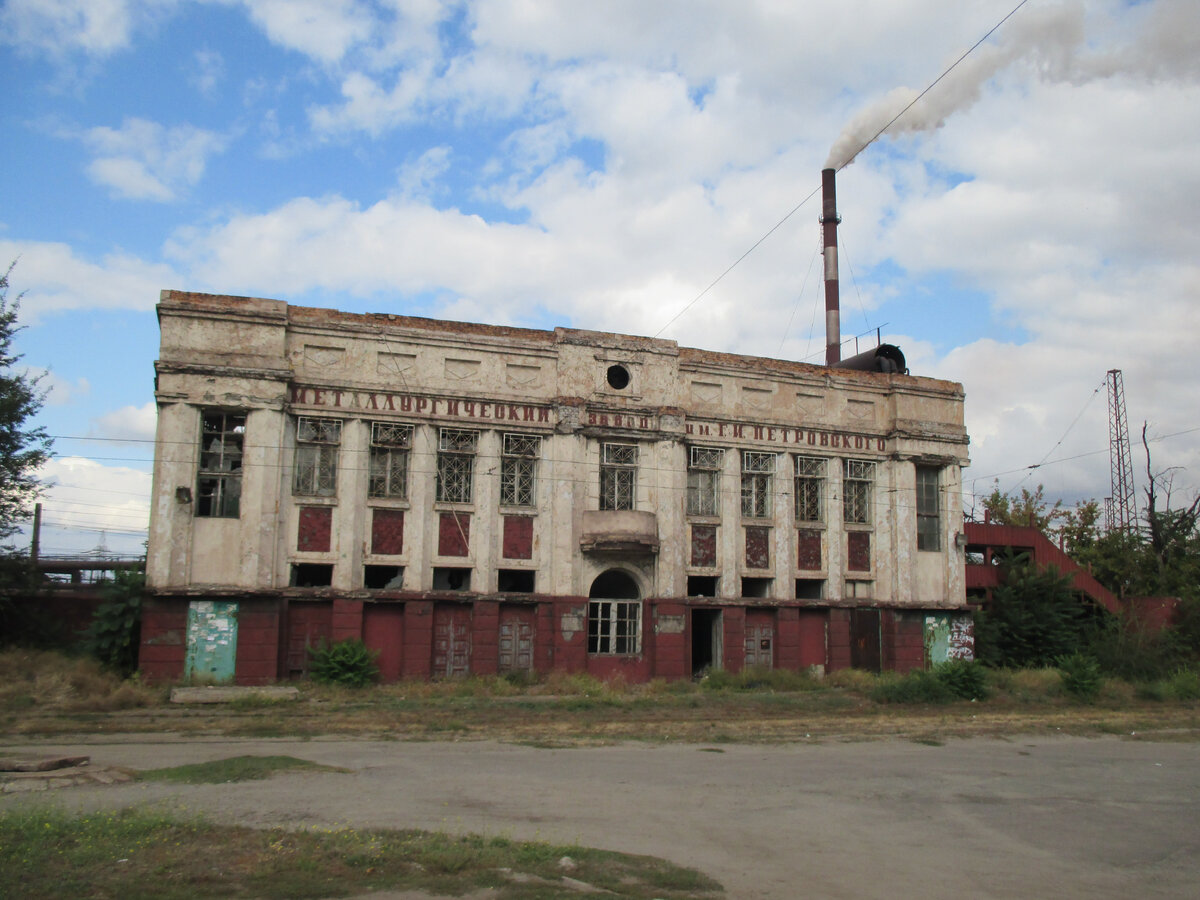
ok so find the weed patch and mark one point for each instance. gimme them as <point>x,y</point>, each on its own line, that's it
<point>136,854</point>
<point>238,768</point>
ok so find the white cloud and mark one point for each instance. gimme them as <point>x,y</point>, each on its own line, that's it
<point>207,71</point>
<point>56,279</point>
<point>59,391</point>
<point>325,30</point>
<point>143,160</point>
<point>133,423</point>
<point>89,504</point>
<point>96,27</point>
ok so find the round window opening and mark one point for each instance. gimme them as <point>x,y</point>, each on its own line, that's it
<point>618,377</point>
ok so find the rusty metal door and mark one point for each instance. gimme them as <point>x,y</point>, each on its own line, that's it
<point>760,643</point>
<point>451,640</point>
<point>864,640</point>
<point>516,639</point>
<point>308,625</point>
<point>211,642</point>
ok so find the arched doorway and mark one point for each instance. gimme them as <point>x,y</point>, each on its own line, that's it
<point>614,615</point>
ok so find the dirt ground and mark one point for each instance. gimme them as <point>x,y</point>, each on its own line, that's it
<point>983,817</point>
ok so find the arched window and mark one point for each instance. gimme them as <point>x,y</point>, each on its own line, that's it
<point>614,615</point>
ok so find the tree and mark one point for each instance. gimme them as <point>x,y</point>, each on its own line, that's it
<point>23,449</point>
<point>1034,618</point>
<point>1030,509</point>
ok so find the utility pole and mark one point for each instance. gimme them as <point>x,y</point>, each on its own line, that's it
<point>1124,508</point>
<point>35,546</point>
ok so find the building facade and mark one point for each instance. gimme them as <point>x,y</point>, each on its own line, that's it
<point>478,499</point>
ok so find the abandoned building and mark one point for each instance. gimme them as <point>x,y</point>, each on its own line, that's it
<point>476,499</point>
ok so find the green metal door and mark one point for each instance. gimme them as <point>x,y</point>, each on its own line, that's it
<point>211,641</point>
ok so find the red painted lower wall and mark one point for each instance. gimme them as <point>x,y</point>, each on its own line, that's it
<point>275,635</point>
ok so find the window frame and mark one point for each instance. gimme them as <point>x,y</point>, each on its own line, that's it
<point>219,486</point>
<point>388,460</point>
<point>858,491</point>
<point>929,508</point>
<point>457,449</point>
<point>605,619</point>
<point>758,472</point>
<point>618,475</point>
<point>318,441</point>
<point>810,481</point>
<point>519,455</point>
<point>704,480</point>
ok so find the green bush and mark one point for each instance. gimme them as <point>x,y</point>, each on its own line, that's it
<point>965,678</point>
<point>115,632</point>
<point>1185,685</point>
<point>348,663</point>
<point>916,687</point>
<point>1125,649</point>
<point>1081,676</point>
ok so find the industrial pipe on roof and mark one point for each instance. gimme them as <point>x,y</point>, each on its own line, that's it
<point>829,224</point>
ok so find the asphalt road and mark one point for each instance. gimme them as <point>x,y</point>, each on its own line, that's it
<point>1026,817</point>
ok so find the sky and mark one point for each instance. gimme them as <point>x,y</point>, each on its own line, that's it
<point>650,167</point>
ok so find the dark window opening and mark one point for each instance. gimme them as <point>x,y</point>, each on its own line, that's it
<point>383,578</point>
<point>514,581</point>
<point>757,587</point>
<point>810,588</point>
<point>446,579</point>
<point>312,575</point>
<point>702,586</point>
<point>618,377</point>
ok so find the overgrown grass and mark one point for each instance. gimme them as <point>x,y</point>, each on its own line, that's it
<point>135,854</point>
<point>237,768</point>
<point>51,680</point>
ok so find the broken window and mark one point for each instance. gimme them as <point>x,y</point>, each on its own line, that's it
<point>317,444</point>
<point>810,488</point>
<point>383,578</point>
<point>311,575</point>
<point>447,579</point>
<point>390,446</point>
<point>618,476</point>
<point>929,524</point>
<point>704,481</point>
<point>614,627</point>
<point>518,469</point>
<point>456,465</point>
<point>858,480</point>
<point>757,470</point>
<point>514,581</point>
<point>219,482</point>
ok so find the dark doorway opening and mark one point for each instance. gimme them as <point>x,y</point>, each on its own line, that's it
<point>864,640</point>
<point>706,640</point>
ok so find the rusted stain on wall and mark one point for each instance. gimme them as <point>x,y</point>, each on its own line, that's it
<point>387,531</point>
<point>858,551</point>
<point>518,537</point>
<point>758,547</point>
<point>454,534</point>
<point>808,549</point>
<point>704,545</point>
<point>316,527</point>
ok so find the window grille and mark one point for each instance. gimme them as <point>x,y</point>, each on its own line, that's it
<point>219,480</point>
<point>317,443</point>
<point>390,446</point>
<point>518,469</point>
<point>456,465</point>
<point>614,627</point>
<point>618,476</point>
<point>857,483</point>
<point>810,488</point>
<point>704,481</point>
<point>928,509</point>
<point>757,471</point>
